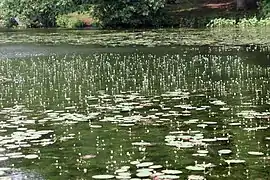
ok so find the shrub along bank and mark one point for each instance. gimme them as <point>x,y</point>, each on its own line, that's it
<point>129,13</point>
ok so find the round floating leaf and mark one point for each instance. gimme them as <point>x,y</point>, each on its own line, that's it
<point>126,174</point>
<point>141,144</point>
<point>198,154</point>
<point>167,171</point>
<point>3,158</point>
<point>155,166</point>
<point>145,169</point>
<point>195,168</point>
<point>95,126</point>
<point>235,124</point>
<point>218,103</point>
<point>5,169</point>
<point>15,155</point>
<point>2,149</point>
<point>196,177</point>
<point>185,145</point>
<point>222,138</point>
<point>144,164</point>
<point>202,151</point>
<point>135,162</point>
<point>144,174</point>
<point>202,125</point>
<point>125,167</point>
<point>235,161</point>
<point>2,173</point>
<point>209,140</point>
<point>210,122</point>
<point>122,177</point>
<point>126,125</point>
<point>120,170</point>
<point>31,156</point>
<point>88,156</point>
<point>167,176</point>
<point>105,176</point>
<point>225,151</point>
<point>224,109</point>
<point>255,153</point>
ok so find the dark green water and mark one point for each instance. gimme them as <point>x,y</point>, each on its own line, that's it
<point>83,110</point>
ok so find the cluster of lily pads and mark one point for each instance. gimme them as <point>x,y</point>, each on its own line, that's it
<point>161,37</point>
<point>206,117</point>
<point>127,112</point>
<point>4,80</point>
<point>149,170</point>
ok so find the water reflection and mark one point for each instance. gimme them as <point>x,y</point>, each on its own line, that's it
<point>77,115</point>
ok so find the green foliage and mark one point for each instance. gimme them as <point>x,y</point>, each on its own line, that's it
<point>244,22</point>
<point>34,13</point>
<point>67,21</point>
<point>129,13</point>
<point>221,22</point>
<point>265,6</point>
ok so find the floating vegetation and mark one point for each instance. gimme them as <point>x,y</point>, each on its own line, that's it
<point>165,113</point>
<point>196,177</point>
<point>142,143</point>
<point>144,174</point>
<point>151,38</point>
<point>105,176</point>
<point>235,161</point>
<point>144,164</point>
<point>168,177</point>
<point>256,153</point>
<point>31,156</point>
<point>4,80</point>
<point>224,151</point>
<point>195,168</point>
<point>167,171</point>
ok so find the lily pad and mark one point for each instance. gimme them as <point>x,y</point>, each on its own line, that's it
<point>105,176</point>
<point>224,151</point>
<point>167,176</point>
<point>167,171</point>
<point>235,161</point>
<point>144,164</point>
<point>141,144</point>
<point>145,169</point>
<point>202,151</point>
<point>95,126</point>
<point>155,166</point>
<point>255,153</point>
<point>3,158</point>
<point>195,168</point>
<point>196,177</point>
<point>144,174</point>
<point>31,156</point>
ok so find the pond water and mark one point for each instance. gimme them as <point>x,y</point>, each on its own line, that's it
<point>76,111</point>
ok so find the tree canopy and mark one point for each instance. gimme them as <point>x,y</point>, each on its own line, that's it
<point>128,12</point>
<point>108,13</point>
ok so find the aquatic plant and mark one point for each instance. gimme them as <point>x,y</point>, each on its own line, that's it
<point>179,112</point>
<point>243,22</point>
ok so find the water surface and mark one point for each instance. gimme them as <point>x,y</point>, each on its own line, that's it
<point>74,111</point>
